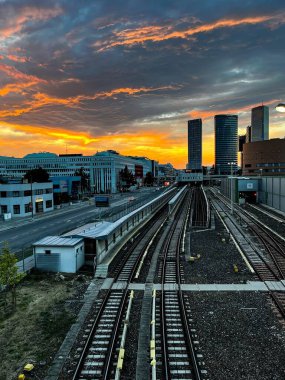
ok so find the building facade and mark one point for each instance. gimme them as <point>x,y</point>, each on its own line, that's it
<point>226,143</point>
<point>260,123</point>
<point>264,158</point>
<point>194,144</point>
<point>105,171</point>
<point>102,168</point>
<point>26,199</point>
<point>248,134</point>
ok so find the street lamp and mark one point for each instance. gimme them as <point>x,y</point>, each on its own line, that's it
<point>280,107</point>
<point>260,170</point>
<point>232,200</point>
<point>32,201</point>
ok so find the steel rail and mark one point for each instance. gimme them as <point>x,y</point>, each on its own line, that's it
<point>188,340</point>
<point>116,327</point>
<point>191,349</point>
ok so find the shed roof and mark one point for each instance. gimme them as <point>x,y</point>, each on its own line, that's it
<point>56,241</point>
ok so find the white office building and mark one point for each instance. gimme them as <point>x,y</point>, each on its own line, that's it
<point>103,167</point>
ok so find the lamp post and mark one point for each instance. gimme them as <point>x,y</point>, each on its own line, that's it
<point>32,197</point>
<point>232,200</point>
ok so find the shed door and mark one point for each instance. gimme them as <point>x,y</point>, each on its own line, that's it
<point>48,262</point>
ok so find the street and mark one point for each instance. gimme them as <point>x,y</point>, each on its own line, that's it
<point>56,223</point>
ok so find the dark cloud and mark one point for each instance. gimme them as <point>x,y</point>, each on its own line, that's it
<point>226,67</point>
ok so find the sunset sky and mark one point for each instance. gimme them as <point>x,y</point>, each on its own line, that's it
<point>86,76</point>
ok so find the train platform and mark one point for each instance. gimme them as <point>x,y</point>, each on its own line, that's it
<point>250,286</point>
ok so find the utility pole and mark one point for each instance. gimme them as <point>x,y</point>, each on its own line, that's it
<point>232,199</point>
<point>32,196</point>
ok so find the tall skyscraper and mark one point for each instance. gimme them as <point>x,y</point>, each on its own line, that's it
<point>195,144</point>
<point>226,143</point>
<point>260,123</point>
<point>248,134</point>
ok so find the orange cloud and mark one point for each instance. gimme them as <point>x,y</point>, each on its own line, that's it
<point>16,88</point>
<point>41,99</point>
<point>16,58</point>
<point>155,144</point>
<point>162,33</point>
<point>24,15</point>
<point>206,114</point>
<point>13,73</point>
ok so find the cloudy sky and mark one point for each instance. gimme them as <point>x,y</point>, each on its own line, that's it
<point>84,76</point>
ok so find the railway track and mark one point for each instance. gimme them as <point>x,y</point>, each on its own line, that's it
<point>269,259</point>
<point>200,214</point>
<point>178,355</point>
<point>101,355</point>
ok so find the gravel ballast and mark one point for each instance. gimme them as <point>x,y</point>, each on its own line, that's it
<point>218,255</point>
<point>239,335</point>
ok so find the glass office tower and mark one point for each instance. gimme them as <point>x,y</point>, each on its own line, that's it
<point>260,123</point>
<point>226,143</point>
<point>195,144</point>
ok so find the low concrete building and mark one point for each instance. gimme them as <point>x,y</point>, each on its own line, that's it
<point>243,189</point>
<point>26,199</point>
<point>59,254</point>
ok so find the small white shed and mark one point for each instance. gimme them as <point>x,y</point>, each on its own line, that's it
<point>59,254</point>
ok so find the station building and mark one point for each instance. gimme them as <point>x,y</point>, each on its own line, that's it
<point>189,176</point>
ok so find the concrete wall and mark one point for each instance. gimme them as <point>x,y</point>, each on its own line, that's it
<point>272,192</point>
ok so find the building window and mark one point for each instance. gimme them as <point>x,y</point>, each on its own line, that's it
<point>39,191</point>
<point>27,193</point>
<point>16,209</point>
<point>4,209</point>
<point>48,204</point>
<point>247,165</point>
<point>47,251</point>
<point>3,194</point>
<point>27,208</point>
<point>16,193</point>
<point>48,191</point>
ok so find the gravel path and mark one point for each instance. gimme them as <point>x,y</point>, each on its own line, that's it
<point>240,337</point>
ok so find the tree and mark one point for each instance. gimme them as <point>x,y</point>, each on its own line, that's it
<point>127,178</point>
<point>148,179</point>
<point>85,186</point>
<point>37,175</point>
<point>9,275</point>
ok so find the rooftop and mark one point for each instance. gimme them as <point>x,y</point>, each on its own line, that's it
<point>58,241</point>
